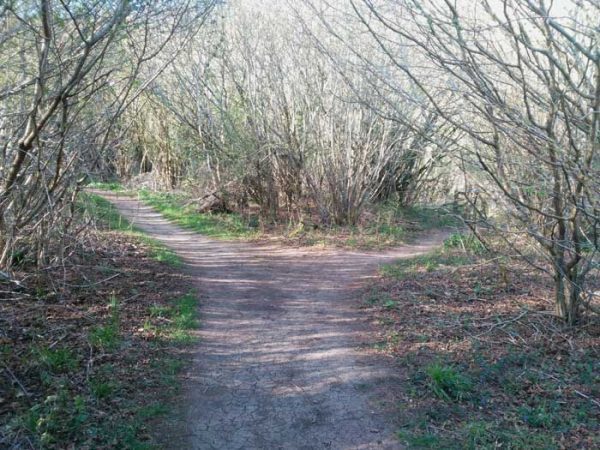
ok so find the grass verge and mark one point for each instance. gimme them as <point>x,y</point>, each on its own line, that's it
<point>222,226</point>
<point>487,364</point>
<point>382,226</point>
<point>98,209</point>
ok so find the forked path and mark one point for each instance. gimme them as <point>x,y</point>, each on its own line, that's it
<point>282,361</point>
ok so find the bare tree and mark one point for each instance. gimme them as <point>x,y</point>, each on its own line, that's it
<point>290,117</point>
<point>525,83</point>
<point>70,69</point>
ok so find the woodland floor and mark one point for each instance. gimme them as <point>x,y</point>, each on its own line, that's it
<point>486,363</point>
<point>443,349</point>
<point>90,351</point>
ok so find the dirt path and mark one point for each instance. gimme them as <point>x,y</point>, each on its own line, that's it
<point>282,361</point>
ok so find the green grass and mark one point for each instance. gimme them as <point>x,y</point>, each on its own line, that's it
<point>447,382</point>
<point>376,297</point>
<point>475,435</point>
<point>218,225</point>
<point>168,368</point>
<point>480,393</point>
<point>102,388</point>
<point>385,225</point>
<point>465,241</point>
<point>153,410</point>
<point>429,262</point>
<point>106,336</point>
<point>67,411</point>
<point>389,225</point>
<point>159,251</point>
<point>372,236</point>
<point>458,412</point>
<point>428,217</point>
<point>58,360</point>
<point>425,440</point>
<point>181,319</point>
<point>58,418</point>
<point>64,416</point>
<point>100,210</point>
<point>93,391</point>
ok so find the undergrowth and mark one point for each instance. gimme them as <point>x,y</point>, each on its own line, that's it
<point>488,365</point>
<point>75,383</point>
<point>95,362</point>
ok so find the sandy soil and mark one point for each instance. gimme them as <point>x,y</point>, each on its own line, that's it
<point>284,359</point>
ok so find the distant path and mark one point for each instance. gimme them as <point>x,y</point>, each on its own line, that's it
<point>281,362</point>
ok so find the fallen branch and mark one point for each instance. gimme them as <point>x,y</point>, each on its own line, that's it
<point>16,380</point>
<point>502,324</point>
<point>5,277</point>
<point>581,394</point>
<point>96,283</point>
